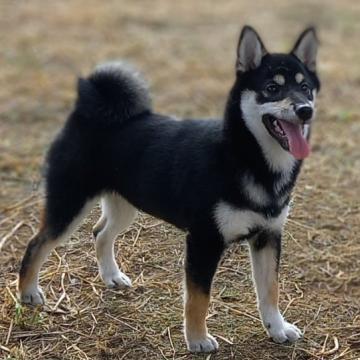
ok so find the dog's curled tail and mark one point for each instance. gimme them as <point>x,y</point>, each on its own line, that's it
<point>114,92</point>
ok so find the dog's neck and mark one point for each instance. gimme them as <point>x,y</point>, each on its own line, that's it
<point>260,159</point>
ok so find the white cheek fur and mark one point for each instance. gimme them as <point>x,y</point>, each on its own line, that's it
<point>277,158</point>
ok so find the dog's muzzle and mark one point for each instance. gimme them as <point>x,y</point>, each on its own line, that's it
<point>304,112</point>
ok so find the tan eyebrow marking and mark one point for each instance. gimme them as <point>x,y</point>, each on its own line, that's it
<point>299,77</point>
<point>279,79</point>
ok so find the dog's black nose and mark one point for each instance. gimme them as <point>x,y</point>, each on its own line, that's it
<point>304,112</point>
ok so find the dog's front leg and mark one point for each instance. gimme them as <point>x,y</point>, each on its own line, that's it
<point>201,261</point>
<point>265,252</point>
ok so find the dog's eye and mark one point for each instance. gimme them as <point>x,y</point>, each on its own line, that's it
<point>272,88</point>
<point>305,88</point>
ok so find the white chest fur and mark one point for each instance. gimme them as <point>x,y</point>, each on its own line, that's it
<point>233,223</point>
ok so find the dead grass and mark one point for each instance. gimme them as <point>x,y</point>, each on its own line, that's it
<point>186,50</point>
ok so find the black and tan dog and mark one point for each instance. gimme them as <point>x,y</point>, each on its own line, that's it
<point>222,181</point>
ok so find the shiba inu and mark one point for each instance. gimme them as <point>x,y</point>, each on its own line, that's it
<point>222,181</point>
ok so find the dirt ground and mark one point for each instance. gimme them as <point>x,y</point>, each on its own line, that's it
<point>186,50</point>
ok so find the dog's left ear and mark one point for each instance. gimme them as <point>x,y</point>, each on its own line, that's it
<point>305,48</point>
<point>250,50</point>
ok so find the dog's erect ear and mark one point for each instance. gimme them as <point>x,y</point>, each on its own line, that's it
<point>250,50</point>
<point>305,48</point>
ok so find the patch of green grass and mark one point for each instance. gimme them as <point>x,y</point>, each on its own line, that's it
<point>25,318</point>
<point>346,115</point>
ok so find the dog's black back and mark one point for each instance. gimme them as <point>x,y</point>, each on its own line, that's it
<point>175,170</point>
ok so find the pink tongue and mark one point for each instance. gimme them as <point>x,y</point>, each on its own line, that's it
<point>298,145</point>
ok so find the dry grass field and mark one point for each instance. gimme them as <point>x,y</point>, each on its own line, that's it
<point>186,50</point>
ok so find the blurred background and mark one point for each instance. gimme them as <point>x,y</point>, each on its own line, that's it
<point>186,50</point>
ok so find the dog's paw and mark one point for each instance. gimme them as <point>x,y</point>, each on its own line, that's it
<point>207,344</point>
<point>116,279</point>
<point>284,332</point>
<point>34,296</point>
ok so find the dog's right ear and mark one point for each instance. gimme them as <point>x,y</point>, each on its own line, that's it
<point>250,50</point>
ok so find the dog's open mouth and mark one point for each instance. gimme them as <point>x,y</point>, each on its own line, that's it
<point>290,136</point>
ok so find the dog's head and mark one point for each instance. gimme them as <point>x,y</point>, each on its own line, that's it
<point>277,92</point>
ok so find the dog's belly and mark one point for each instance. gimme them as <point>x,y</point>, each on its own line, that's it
<point>234,223</point>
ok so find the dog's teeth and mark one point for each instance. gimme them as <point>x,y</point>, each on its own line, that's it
<point>277,128</point>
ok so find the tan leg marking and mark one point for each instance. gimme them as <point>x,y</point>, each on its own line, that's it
<point>37,251</point>
<point>31,261</point>
<point>196,307</point>
<point>274,292</point>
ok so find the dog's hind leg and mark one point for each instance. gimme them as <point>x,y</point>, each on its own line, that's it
<point>61,217</point>
<point>202,256</point>
<point>117,216</point>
